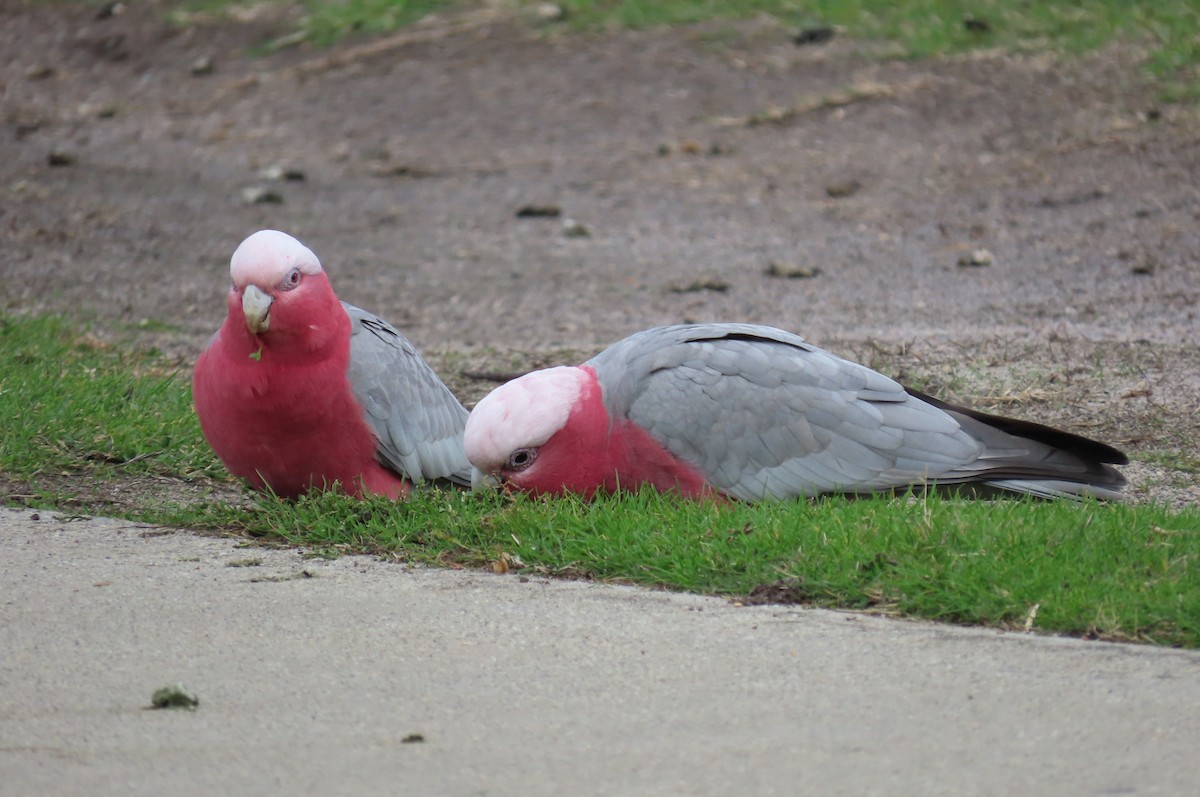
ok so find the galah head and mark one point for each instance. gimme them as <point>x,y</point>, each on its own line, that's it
<point>276,279</point>
<point>537,433</point>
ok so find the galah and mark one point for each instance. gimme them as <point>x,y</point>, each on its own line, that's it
<point>299,390</point>
<point>748,412</point>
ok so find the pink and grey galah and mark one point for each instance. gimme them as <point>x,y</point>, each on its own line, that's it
<point>299,390</point>
<point>749,412</point>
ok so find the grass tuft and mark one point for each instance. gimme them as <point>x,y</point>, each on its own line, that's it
<point>327,22</point>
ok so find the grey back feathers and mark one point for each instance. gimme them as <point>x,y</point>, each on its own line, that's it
<point>763,414</point>
<point>416,419</point>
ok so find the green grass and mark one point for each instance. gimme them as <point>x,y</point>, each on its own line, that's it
<point>80,412</point>
<point>329,21</point>
<point>71,405</point>
<point>1167,32</point>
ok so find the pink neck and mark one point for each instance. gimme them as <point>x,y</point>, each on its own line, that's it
<point>606,456</point>
<point>299,424</point>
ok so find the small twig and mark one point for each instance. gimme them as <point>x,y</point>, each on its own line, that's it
<point>348,56</point>
<point>139,458</point>
<point>465,24</point>
<point>285,577</point>
<point>779,115</point>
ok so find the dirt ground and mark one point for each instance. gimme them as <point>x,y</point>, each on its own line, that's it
<point>706,163</point>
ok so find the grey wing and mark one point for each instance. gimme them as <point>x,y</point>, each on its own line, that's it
<point>761,413</point>
<point>417,420</point>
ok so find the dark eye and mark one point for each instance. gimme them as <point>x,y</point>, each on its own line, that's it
<point>290,280</point>
<point>522,458</point>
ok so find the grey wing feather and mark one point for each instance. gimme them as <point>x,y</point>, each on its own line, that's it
<point>761,413</point>
<point>416,419</point>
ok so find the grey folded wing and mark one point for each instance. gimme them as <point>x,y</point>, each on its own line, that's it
<point>761,413</point>
<point>417,420</point>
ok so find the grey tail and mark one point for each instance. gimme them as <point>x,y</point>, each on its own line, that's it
<point>1031,458</point>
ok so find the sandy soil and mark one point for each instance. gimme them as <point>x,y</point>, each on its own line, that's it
<point>701,161</point>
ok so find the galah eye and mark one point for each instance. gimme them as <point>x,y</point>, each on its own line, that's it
<point>522,458</point>
<point>290,280</point>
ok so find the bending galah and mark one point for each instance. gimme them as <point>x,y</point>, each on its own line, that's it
<point>299,390</point>
<point>750,412</point>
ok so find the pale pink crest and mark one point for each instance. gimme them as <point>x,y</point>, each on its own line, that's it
<point>523,413</point>
<point>266,256</point>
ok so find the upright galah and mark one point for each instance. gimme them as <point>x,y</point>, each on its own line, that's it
<point>299,390</point>
<point>750,412</point>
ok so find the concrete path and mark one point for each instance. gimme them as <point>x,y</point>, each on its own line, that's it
<point>311,685</point>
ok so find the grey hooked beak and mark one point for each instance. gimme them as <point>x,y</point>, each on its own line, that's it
<point>256,305</point>
<point>481,480</point>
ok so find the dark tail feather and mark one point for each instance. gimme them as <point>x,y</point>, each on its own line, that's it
<point>1026,457</point>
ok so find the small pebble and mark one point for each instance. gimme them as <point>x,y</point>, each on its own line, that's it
<point>815,35</point>
<point>39,72</point>
<point>777,269</point>
<point>278,172</point>
<point>59,158</point>
<point>843,188</point>
<point>202,66</point>
<point>549,12</point>
<point>977,25</point>
<point>575,229</point>
<point>704,284</point>
<point>539,212</point>
<point>261,195</point>
<point>977,259</point>
<point>109,10</point>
